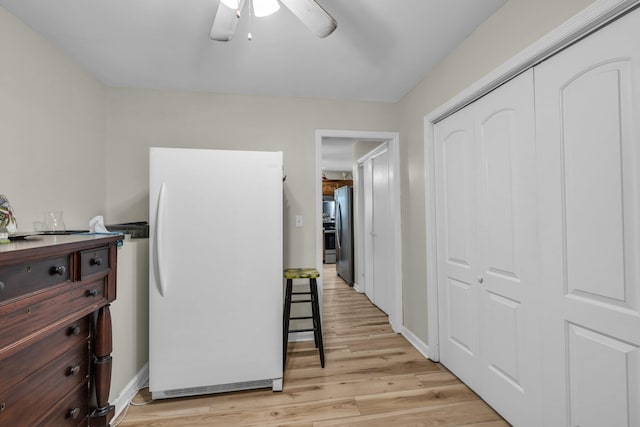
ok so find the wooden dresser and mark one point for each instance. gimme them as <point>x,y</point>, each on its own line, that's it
<point>55,330</point>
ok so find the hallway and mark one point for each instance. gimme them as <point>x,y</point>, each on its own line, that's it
<point>373,377</point>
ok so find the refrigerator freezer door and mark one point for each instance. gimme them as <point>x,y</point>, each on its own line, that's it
<point>216,267</point>
<point>344,233</point>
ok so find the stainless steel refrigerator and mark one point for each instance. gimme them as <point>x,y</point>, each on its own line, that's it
<point>344,233</point>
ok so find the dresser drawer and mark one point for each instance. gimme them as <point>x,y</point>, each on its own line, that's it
<point>94,261</point>
<point>33,314</point>
<point>70,412</point>
<point>20,280</point>
<point>26,402</point>
<point>20,365</point>
<point>54,294</point>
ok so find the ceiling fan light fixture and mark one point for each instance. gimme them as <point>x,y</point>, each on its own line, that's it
<point>309,12</point>
<point>233,4</point>
<point>225,21</point>
<point>264,7</point>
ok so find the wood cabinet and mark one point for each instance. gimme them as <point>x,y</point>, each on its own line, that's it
<point>55,330</point>
<point>329,185</point>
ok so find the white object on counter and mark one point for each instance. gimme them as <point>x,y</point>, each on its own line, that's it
<point>96,225</point>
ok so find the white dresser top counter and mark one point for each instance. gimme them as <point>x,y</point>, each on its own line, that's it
<point>45,240</point>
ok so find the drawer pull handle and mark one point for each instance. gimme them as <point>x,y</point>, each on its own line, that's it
<point>59,270</point>
<point>95,261</point>
<point>73,413</point>
<point>73,370</point>
<point>92,292</point>
<point>1,287</point>
<point>74,330</point>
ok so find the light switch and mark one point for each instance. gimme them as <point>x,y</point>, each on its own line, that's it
<point>299,221</point>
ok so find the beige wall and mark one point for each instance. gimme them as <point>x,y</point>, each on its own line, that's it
<point>515,26</point>
<point>361,148</point>
<point>337,175</point>
<point>130,315</point>
<point>139,119</point>
<point>52,124</point>
<point>54,136</point>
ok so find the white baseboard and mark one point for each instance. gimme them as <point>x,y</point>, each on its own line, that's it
<point>356,286</point>
<point>421,346</point>
<point>126,395</point>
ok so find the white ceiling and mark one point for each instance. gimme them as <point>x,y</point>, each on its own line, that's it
<point>379,52</point>
<point>336,154</point>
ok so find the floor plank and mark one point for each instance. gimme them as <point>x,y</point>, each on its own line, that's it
<point>372,377</point>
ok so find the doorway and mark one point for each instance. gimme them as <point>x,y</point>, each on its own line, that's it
<point>373,168</point>
<point>366,144</point>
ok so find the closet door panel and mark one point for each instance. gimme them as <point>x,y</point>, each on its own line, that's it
<point>507,242</point>
<point>457,153</point>
<point>587,105</point>
<point>592,172</point>
<point>456,206</point>
<point>485,161</point>
<point>585,346</point>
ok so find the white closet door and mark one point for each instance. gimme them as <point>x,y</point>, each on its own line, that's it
<point>383,295</point>
<point>588,119</point>
<point>367,209</point>
<point>507,251</point>
<point>487,249</point>
<point>458,267</point>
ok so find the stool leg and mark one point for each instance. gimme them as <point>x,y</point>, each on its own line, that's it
<point>315,308</point>
<point>285,321</point>
<point>315,315</point>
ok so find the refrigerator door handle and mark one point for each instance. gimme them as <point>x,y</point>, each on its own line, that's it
<point>338,226</point>
<point>160,240</point>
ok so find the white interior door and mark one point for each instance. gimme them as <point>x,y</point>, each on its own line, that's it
<point>383,294</point>
<point>458,269</point>
<point>507,251</point>
<point>587,107</point>
<point>379,286</point>
<point>487,247</point>
<point>367,186</point>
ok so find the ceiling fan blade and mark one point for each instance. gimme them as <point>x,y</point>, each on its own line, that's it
<point>225,21</point>
<point>312,15</point>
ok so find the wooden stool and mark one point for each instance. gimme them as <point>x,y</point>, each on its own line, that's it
<point>302,273</point>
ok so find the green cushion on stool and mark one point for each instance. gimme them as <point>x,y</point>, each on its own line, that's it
<point>301,273</point>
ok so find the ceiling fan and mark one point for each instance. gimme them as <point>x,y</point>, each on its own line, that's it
<point>308,11</point>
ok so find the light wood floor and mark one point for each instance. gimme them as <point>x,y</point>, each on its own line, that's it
<point>372,377</point>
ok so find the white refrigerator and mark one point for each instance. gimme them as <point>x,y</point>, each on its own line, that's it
<point>215,271</point>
